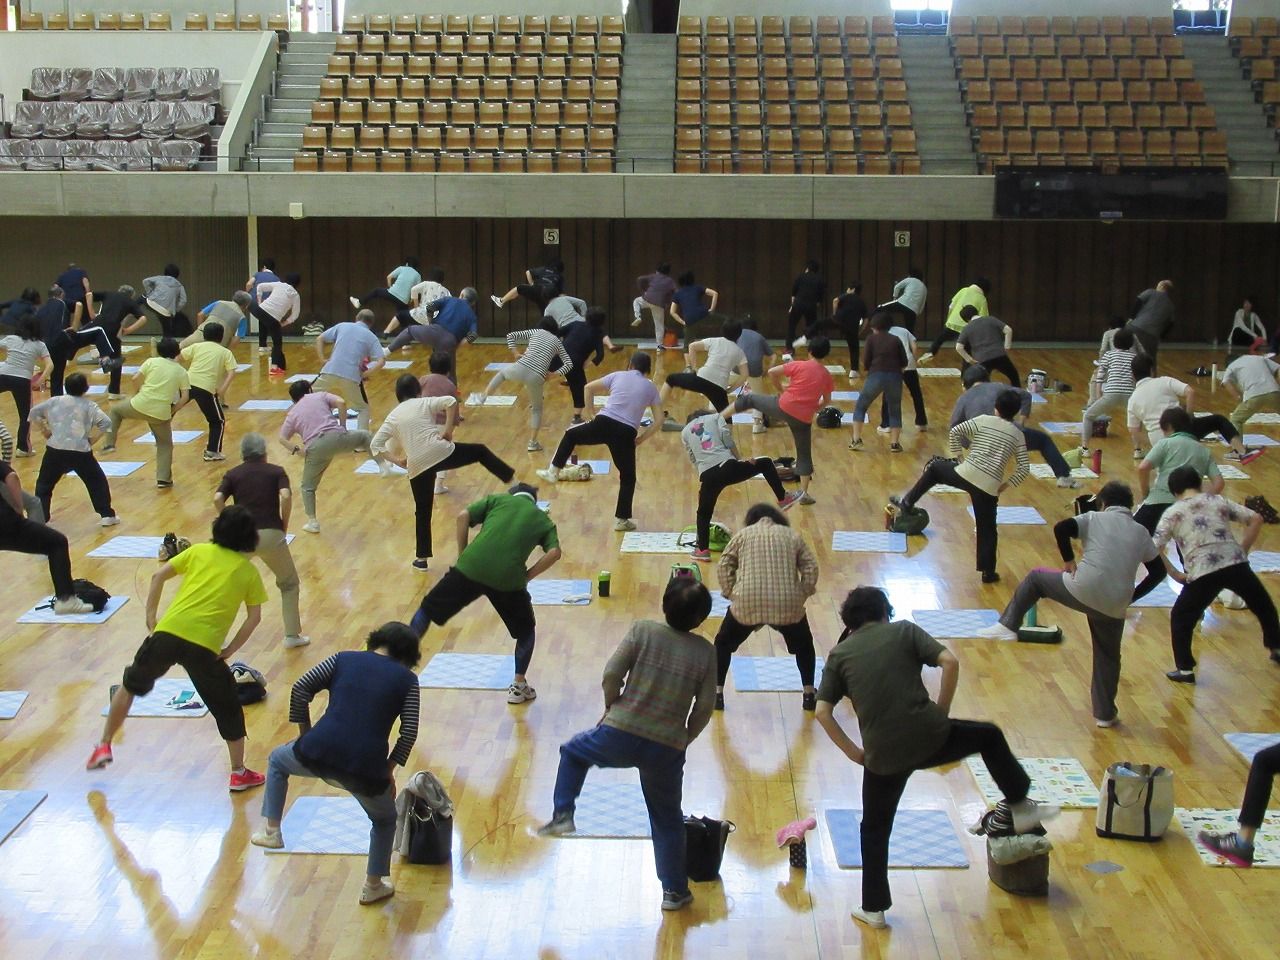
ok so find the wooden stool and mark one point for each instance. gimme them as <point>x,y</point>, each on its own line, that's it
<point>1026,878</point>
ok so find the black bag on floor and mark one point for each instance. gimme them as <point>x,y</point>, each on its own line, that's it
<point>430,834</point>
<point>91,593</point>
<point>251,685</point>
<point>705,840</point>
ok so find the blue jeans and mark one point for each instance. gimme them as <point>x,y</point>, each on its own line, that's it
<point>1043,444</point>
<point>381,809</point>
<point>661,779</point>
<point>889,384</point>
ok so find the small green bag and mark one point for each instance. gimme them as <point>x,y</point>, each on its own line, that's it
<point>911,521</point>
<point>717,537</point>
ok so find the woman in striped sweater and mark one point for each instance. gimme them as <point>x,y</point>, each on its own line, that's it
<point>531,368</point>
<point>994,442</point>
<point>348,747</point>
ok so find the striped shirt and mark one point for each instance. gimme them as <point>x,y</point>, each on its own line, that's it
<point>542,347</point>
<point>993,442</point>
<point>1115,371</point>
<point>767,572</point>
<point>367,692</point>
<point>6,443</point>
<point>665,671</point>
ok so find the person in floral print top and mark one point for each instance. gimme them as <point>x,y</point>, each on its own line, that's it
<point>1200,525</point>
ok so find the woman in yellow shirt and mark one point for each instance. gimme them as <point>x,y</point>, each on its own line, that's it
<point>163,390</point>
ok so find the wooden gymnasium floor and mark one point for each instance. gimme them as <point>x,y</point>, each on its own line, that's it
<point>150,857</point>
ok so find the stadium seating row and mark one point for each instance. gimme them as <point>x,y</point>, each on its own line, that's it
<point>481,23</point>
<point>460,139</point>
<point>802,91</point>
<point>148,21</point>
<point>441,65</point>
<point>1081,92</point>
<point>1074,68</point>
<point>469,90</point>
<point>422,161</point>
<point>440,113</point>
<point>1157,146</point>
<point>1061,26</point>
<point>796,68</point>
<point>748,45</point>
<point>794,115</point>
<point>1116,116</point>
<point>1253,27</point>
<point>479,44</point>
<point>841,164</point>
<point>781,140</point>
<point>46,155</point>
<point>1070,46</point>
<point>121,83</point>
<point>129,120</point>
<point>792,27</point>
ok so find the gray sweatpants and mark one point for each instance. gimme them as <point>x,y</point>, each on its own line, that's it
<point>533,384</point>
<point>1106,631</point>
<point>801,432</point>
<point>320,453</point>
<point>1106,403</point>
<point>273,550</point>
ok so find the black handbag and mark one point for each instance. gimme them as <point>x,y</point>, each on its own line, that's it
<point>705,840</point>
<point>430,835</point>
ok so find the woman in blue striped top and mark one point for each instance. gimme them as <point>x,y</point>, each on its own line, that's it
<point>532,368</point>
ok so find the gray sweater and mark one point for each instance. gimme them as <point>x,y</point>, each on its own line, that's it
<point>709,442</point>
<point>164,294</point>
<point>565,310</point>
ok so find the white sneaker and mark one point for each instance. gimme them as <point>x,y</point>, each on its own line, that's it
<point>521,692</point>
<point>1106,724</point>
<point>69,606</point>
<point>1027,814</point>
<point>882,430</point>
<point>497,300</point>
<point>354,302</point>
<point>997,631</point>
<point>263,351</point>
<point>440,488</point>
<point>1070,483</point>
<point>800,342</point>
<point>296,641</point>
<point>551,474</point>
<point>266,837</point>
<point>924,358</point>
<point>370,894</point>
<point>872,918</point>
<point>621,525</point>
<point>311,526</point>
<point>385,471</point>
<point>759,427</point>
<point>108,521</point>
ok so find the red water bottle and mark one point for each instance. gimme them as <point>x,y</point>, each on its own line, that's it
<point>1097,461</point>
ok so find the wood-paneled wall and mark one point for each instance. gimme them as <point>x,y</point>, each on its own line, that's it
<point>1051,281</point>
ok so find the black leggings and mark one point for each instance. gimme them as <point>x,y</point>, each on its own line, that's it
<point>58,463</point>
<point>213,415</point>
<point>716,394</point>
<point>1203,424</point>
<point>881,793</point>
<point>621,441</point>
<point>910,380</point>
<point>945,335</point>
<point>26,536</point>
<point>1265,766</point>
<point>382,293</point>
<point>797,636</point>
<point>424,485</point>
<point>906,316</point>
<point>1196,596</point>
<point>64,349</point>
<point>984,506</point>
<point>808,312</point>
<point>577,378</point>
<point>269,326</point>
<point>20,387</point>
<point>715,479</point>
<point>209,674</point>
<point>1002,364</point>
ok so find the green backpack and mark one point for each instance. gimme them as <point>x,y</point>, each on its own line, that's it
<point>717,538</point>
<point>912,521</point>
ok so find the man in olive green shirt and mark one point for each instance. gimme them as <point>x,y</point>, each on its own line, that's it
<point>493,566</point>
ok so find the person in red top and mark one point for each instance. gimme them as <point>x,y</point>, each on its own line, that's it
<point>808,390</point>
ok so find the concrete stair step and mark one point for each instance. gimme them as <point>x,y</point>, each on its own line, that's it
<point>283,140</point>
<point>278,125</point>
<point>267,165</point>
<point>279,153</point>
<point>302,70</point>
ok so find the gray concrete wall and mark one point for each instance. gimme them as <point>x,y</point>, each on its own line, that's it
<point>255,83</point>
<point>596,196</point>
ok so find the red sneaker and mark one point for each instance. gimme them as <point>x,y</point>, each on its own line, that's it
<point>275,371</point>
<point>245,781</point>
<point>100,757</point>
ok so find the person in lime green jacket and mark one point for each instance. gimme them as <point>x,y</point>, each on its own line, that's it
<point>974,295</point>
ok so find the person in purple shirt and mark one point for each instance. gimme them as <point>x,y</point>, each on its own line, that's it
<point>656,292</point>
<point>617,426</point>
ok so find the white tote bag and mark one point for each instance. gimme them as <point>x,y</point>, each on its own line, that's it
<point>1135,802</point>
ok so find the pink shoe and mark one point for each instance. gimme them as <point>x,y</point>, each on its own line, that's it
<point>793,833</point>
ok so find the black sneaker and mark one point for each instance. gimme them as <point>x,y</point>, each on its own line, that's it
<point>420,564</point>
<point>1229,846</point>
<point>720,701</point>
<point>895,448</point>
<point>809,702</point>
<point>676,901</point>
<point>990,576</point>
<point>1181,676</point>
<point>558,826</point>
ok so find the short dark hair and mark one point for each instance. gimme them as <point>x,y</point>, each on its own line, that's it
<point>550,326</point>
<point>819,347</point>
<point>914,272</point>
<point>28,328</point>
<point>213,331</point>
<point>881,320</point>
<point>1143,367</point>
<point>1117,321</point>
<point>640,361</point>
<point>664,267</point>
<point>748,322</point>
<point>685,603</point>
<point>31,295</point>
<point>968,312</point>
<point>1184,478</point>
<point>975,373</point>
<point>731,330</point>
<point>267,263</point>
<point>168,348</point>
<point>411,262</point>
<point>595,316</point>
<point>76,384</point>
<point>854,286</point>
<point>399,640</point>
<point>1008,404</point>
<point>407,387</point>
<point>1123,339</point>
<point>522,487</point>
<point>1176,420</point>
<point>759,511</point>
<point>864,605</point>
<point>293,279</point>
<point>171,270</point>
<point>440,362</point>
<point>1114,493</point>
<point>299,389</point>
<point>555,264</point>
<point>235,529</point>
<point>685,279</point>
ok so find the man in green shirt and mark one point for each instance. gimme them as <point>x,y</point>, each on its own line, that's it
<point>493,566</point>
<point>876,664</point>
